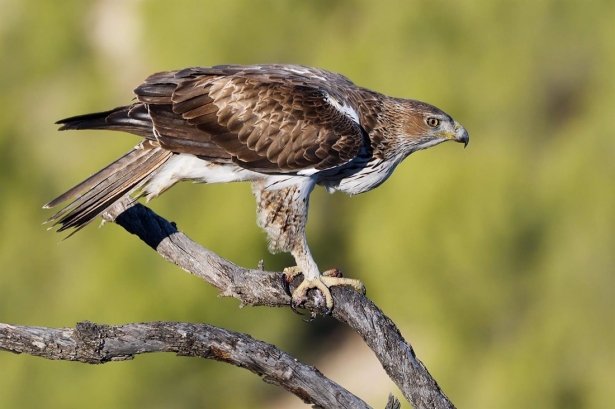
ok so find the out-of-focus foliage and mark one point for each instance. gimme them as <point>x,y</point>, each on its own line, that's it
<point>496,261</point>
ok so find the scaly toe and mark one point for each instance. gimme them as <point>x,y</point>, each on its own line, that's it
<point>350,282</point>
<point>322,283</point>
<point>299,296</point>
<point>291,272</point>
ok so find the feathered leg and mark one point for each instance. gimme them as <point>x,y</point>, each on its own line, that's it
<point>282,213</point>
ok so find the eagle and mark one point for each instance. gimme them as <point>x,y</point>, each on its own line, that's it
<point>283,128</point>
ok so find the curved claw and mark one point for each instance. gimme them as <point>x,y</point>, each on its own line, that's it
<point>312,318</point>
<point>297,303</point>
<point>288,275</point>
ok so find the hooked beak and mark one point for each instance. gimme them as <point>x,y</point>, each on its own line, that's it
<point>461,135</point>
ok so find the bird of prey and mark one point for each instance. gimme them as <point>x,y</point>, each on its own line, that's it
<point>283,128</point>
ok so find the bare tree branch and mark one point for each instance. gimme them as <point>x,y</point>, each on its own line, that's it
<point>92,343</point>
<point>98,344</point>
<point>257,287</point>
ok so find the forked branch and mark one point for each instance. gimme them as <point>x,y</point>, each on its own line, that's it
<point>251,287</point>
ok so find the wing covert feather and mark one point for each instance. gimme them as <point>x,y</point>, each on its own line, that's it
<point>264,118</point>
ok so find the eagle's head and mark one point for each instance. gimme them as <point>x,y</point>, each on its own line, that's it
<point>424,125</point>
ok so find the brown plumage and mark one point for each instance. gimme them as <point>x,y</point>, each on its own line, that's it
<point>285,128</point>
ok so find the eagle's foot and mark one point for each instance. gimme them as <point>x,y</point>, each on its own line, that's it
<point>328,279</point>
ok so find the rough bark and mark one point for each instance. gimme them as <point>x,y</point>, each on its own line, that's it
<point>251,287</point>
<point>98,344</point>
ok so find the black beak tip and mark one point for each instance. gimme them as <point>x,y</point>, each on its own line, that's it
<point>465,139</point>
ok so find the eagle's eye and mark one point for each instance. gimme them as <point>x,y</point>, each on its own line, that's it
<point>433,122</point>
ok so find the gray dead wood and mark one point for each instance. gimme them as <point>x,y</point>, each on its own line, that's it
<point>265,288</point>
<point>97,344</point>
<point>101,343</point>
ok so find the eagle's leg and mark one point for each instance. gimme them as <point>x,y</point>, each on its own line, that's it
<point>282,213</point>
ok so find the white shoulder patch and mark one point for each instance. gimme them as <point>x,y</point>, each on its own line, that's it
<point>343,108</point>
<point>304,71</point>
<point>307,172</point>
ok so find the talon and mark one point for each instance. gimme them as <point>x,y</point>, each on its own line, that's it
<point>312,317</point>
<point>297,302</point>
<point>322,282</point>
<point>288,275</point>
<point>294,307</point>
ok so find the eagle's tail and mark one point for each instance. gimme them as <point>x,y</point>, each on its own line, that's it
<point>124,176</point>
<point>133,119</point>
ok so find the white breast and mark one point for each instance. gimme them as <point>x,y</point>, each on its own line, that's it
<point>359,176</point>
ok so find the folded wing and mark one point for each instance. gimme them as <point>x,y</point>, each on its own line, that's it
<point>267,120</point>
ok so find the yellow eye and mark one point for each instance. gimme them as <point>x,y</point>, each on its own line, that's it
<point>433,122</point>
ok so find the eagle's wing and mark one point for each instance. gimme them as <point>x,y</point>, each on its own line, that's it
<point>263,118</point>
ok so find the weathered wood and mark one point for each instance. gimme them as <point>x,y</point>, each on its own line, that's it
<point>257,287</point>
<point>92,343</point>
<point>98,344</point>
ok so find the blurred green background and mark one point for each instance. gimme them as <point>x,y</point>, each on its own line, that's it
<point>496,262</point>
